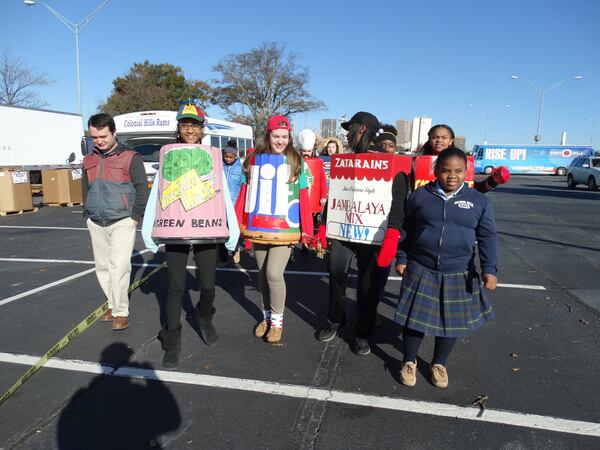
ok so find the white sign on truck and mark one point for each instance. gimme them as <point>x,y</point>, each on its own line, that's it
<point>37,139</point>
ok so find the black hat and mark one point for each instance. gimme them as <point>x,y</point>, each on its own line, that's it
<point>363,118</point>
<point>230,149</point>
<point>388,133</point>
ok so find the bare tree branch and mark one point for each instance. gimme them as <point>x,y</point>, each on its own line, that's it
<point>17,81</point>
<point>260,83</point>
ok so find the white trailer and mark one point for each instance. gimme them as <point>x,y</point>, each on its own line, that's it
<point>37,139</point>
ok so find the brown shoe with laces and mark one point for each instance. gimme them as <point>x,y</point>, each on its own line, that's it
<point>261,329</point>
<point>439,376</point>
<point>408,373</point>
<point>274,335</point>
<point>120,323</point>
<point>107,316</point>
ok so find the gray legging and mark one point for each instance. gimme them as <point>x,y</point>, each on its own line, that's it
<point>271,260</point>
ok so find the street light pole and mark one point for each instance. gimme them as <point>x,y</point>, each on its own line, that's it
<point>75,28</point>
<point>542,91</point>
<point>487,118</point>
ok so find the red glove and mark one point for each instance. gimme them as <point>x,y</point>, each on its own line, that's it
<point>499,175</point>
<point>321,237</point>
<point>388,247</point>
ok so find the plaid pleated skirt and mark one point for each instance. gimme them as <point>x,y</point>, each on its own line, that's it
<point>442,304</point>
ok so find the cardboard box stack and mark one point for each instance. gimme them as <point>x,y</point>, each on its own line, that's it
<point>62,186</point>
<point>15,191</point>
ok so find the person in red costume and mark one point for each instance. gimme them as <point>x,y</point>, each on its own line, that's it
<point>441,137</point>
<point>363,129</point>
<point>315,174</point>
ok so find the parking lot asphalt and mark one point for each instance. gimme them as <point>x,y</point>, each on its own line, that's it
<point>537,361</point>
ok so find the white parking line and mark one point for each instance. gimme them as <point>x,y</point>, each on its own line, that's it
<point>47,261</point>
<point>242,270</point>
<point>511,418</point>
<point>31,227</point>
<point>54,283</point>
<point>44,287</point>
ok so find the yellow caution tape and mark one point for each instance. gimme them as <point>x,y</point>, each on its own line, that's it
<point>80,328</point>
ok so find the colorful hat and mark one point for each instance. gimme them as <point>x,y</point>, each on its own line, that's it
<point>278,123</point>
<point>189,110</point>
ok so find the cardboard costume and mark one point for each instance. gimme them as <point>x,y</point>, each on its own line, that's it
<point>269,209</point>
<point>317,186</point>
<point>360,195</point>
<point>326,167</point>
<point>191,202</point>
<point>423,170</point>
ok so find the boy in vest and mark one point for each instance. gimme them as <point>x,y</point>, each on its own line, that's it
<point>115,190</point>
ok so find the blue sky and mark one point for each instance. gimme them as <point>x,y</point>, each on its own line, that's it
<point>396,59</point>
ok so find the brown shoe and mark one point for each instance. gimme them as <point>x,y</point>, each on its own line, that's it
<point>107,316</point>
<point>439,376</point>
<point>274,335</point>
<point>408,373</point>
<point>120,323</point>
<point>261,329</point>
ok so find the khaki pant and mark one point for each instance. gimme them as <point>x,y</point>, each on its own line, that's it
<point>271,260</point>
<point>113,246</point>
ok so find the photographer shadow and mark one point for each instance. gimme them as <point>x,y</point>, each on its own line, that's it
<point>118,411</point>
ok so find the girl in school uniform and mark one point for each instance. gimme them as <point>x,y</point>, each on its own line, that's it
<point>441,293</point>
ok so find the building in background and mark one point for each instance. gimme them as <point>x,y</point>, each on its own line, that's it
<point>460,142</point>
<point>418,132</point>
<point>403,138</point>
<point>328,127</point>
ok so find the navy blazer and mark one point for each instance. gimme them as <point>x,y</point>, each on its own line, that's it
<point>441,234</point>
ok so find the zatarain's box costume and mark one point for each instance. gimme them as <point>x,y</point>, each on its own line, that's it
<point>360,195</point>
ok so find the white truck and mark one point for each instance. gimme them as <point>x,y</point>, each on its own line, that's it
<point>35,139</point>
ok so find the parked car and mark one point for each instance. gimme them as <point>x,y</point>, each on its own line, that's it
<point>584,170</point>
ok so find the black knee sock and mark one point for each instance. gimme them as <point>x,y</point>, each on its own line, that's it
<point>443,347</point>
<point>412,342</point>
